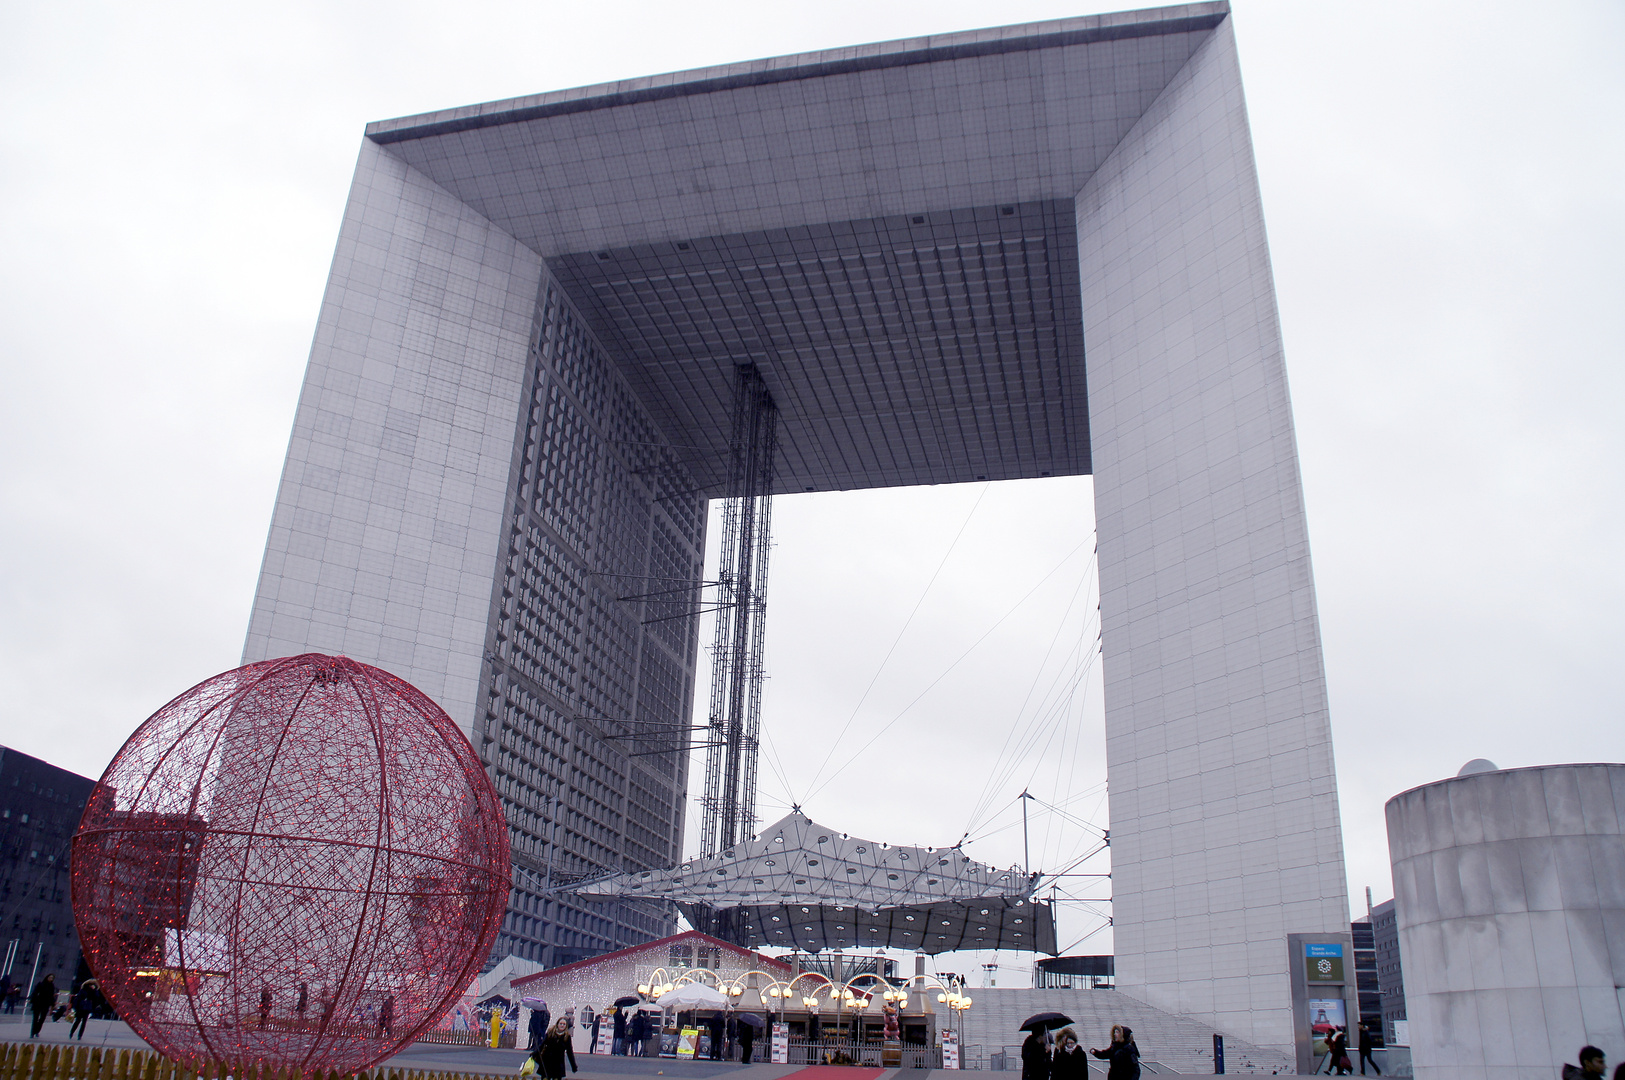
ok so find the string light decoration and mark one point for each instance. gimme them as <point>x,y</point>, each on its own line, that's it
<point>299,864</point>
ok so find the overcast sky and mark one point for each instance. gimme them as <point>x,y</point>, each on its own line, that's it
<point>1442,186</point>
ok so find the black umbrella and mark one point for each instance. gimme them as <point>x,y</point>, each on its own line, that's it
<point>1045,1021</point>
<point>632,999</point>
<point>753,1020</point>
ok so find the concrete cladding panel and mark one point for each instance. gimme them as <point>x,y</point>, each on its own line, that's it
<point>386,535</point>
<point>384,540</point>
<point>1224,820</point>
<point>1509,892</point>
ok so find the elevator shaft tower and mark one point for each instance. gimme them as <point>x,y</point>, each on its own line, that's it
<point>729,803</point>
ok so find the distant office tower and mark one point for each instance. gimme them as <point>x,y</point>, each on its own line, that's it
<point>1021,252</point>
<point>1367,979</point>
<point>40,806</point>
<point>1390,971</point>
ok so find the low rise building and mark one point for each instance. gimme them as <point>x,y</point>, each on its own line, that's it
<point>1390,974</point>
<point>40,807</point>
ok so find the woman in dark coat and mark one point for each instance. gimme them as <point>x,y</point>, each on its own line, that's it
<point>637,1031</point>
<point>1123,1056</point>
<point>1070,1062</point>
<point>1035,1060</point>
<point>550,1056</point>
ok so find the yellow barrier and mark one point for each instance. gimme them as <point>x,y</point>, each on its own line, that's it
<point>42,1061</point>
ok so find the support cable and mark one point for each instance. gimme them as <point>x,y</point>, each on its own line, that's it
<point>949,669</point>
<point>1022,734</point>
<point>813,783</point>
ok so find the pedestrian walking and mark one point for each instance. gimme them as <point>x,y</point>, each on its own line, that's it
<point>1367,1044</point>
<point>618,1047</point>
<point>747,1037</point>
<point>1337,1053</point>
<point>1070,1061</point>
<point>553,1052</point>
<point>1122,1057</point>
<point>41,1002</point>
<point>592,1047</point>
<point>1035,1057</point>
<point>84,1003</point>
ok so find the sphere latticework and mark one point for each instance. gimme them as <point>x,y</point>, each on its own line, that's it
<point>298,864</point>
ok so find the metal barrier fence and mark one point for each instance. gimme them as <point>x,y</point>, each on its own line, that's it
<point>859,1052</point>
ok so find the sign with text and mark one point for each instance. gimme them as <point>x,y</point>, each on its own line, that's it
<point>688,1040</point>
<point>950,1049</point>
<point>781,1043</point>
<point>1323,962</point>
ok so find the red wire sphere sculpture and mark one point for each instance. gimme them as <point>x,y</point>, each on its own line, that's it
<point>299,864</point>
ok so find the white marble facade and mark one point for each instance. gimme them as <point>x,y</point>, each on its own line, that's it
<point>753,188</point>
<point>1509,892</point>
<point>385,536</point>
<point>1224,821</point>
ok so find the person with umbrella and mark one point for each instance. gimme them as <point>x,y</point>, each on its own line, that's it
<point>618,1046</point>
<point>622,1003</point>
<point>539,1021</point>
<point>1122,1055</point>
<point>1035,1051</point>
<point>748,1024</point>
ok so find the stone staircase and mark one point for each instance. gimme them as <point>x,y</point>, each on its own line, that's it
<point>1178,1044</point>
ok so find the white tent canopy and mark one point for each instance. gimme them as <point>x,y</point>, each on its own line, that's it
<point>801,885</point>
<point>795,860</point>
<point>693,995</point>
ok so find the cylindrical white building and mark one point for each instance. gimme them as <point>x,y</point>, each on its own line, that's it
<point>1509,888</point>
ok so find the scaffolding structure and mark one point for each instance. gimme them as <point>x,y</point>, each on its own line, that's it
<point>729,803</point>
